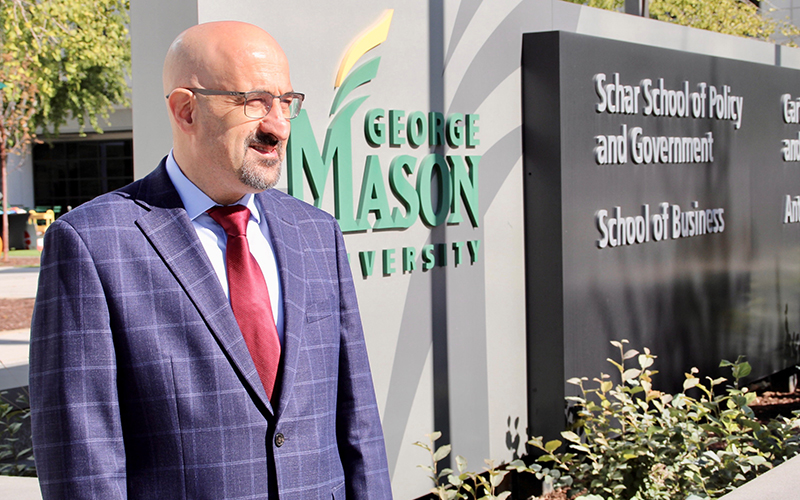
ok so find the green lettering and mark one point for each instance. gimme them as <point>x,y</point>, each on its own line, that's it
<point>428,259</point>
<point>373,196</point>
<point>434,164</point>
<point>409,259</point>
<point>395,127</point>
<point>465,187</point>
<point>435,128</point>
<point>388,261</point>
<point>416,128</point>
<point>303,156</point>
<point>473,246</point>
<point>367,260</point>
<point>472,130</point>
<point>455,130</point>
<point>402,189</point>
<point>457,247</point>
<point>374,130</point>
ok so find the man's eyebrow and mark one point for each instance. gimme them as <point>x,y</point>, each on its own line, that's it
<point>273,93</point>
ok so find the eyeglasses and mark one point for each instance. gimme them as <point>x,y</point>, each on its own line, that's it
<point>257,104</point>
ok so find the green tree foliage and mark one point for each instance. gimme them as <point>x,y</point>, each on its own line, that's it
<point>602,4</point>
<point>61,59</point>
<point>732,17</point>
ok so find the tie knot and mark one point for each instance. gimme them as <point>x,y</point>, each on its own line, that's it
<point>232,218</point>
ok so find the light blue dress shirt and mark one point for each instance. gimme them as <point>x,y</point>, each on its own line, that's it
<point>214,239</point>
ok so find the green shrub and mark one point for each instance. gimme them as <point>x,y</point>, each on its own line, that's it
<point>632,442</point>
<point>465,485</point>
<point>16,452</point>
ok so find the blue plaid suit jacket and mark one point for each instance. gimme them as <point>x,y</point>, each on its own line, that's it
<point>141,383</point>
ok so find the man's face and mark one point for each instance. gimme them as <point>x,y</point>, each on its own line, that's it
<point>244,153</point>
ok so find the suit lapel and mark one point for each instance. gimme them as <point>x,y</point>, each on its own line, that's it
<point>287,243</point>
<point>168,228</point>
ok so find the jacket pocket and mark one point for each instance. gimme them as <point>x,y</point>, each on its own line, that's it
<point>319,309</point>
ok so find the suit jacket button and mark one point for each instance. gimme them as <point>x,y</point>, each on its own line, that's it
<point>279,440</point>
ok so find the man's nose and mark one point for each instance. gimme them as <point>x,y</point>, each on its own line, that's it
<point>276,124</point>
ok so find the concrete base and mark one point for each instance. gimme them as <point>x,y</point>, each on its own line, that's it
<point>781,483</point>
<point>20,488</point>
<point>14,346</point>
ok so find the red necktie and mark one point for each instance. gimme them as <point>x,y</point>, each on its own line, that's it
<point>249,295</point>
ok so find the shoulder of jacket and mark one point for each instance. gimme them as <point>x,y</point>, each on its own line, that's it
<point>301,209</point>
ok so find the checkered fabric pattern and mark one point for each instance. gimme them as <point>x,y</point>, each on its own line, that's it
<point>142,386</point>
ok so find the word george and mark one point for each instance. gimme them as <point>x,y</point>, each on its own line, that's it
<point>430,256</point>
<point>671,222</point>
<point>658,101</point>
<point>459,129</point>
<point>613,149</point>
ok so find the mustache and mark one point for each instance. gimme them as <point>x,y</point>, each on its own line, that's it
<point>263,139</point>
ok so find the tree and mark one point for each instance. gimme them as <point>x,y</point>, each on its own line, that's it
<point>732,17</point>
<point>60,59</point>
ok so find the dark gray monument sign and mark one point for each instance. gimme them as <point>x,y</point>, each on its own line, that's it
<point>662,206</point>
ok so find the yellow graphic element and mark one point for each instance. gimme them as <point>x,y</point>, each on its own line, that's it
<point>367,42</point>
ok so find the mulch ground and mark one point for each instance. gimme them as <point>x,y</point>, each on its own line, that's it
<point>15,314</point>
<point>771,404</point>
<point>14,261</point>
<point>556,495</point>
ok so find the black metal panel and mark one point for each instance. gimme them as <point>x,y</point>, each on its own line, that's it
<point>692,300</point>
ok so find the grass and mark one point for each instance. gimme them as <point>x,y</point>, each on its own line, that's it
<point>24,253</point>
<point>21,258</point>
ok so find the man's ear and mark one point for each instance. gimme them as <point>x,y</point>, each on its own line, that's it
<point>181,105</point>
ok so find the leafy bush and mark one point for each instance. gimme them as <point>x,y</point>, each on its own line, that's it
<point>465,484</point>
<point>637,443</point>
<point>16,452</point>
<point>733,17</point>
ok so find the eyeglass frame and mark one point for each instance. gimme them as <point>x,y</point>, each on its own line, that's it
<point>245,95</point>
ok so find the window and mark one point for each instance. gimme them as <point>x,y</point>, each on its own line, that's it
<point>72,172</point>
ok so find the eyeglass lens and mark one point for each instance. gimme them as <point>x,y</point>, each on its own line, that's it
<point>258,105</point>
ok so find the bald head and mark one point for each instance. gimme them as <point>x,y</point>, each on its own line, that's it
<point>204,55</point>
<point>224,152</point>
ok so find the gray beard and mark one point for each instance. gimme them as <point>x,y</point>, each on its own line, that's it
<point>259,175</point>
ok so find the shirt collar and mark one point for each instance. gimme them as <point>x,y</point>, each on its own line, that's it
<point>195,200</point>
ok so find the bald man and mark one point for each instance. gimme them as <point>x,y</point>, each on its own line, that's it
<point>158,369</point>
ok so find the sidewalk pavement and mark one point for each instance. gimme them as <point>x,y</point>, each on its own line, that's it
<point>14,345</point>
<point>18,282</point>
<point>20,488</point>
<point>781,483</point>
